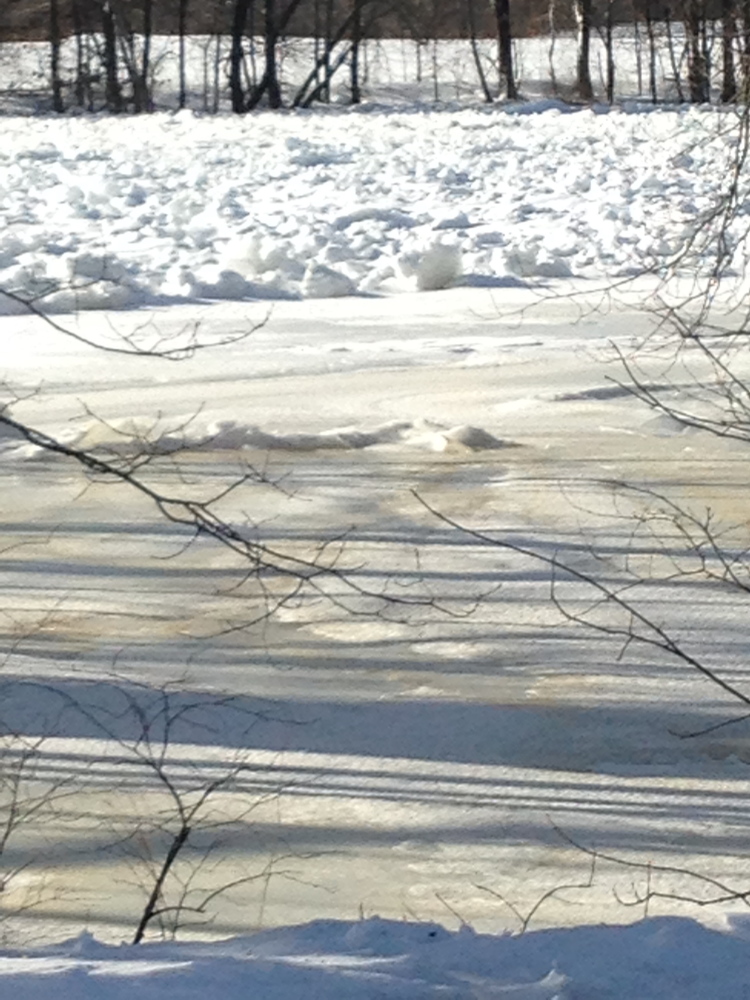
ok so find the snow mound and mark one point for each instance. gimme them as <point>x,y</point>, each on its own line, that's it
<point>465,437</point>
<point>666,957</point>
<point>135,435</point>
<point>665,425</point>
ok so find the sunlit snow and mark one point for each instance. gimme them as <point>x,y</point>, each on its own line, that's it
<point>409,310</point>
<point>343,203</point>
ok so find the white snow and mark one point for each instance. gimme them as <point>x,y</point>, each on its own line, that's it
<point>343,202</point>
<point>405,275</point>
<point>668,958</point>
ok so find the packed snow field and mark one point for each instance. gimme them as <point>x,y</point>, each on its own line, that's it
<point>426,760</point>
<point>344,203</point>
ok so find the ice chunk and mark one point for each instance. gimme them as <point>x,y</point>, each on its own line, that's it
<point>214,283</point>
<point>473,438</point>
<point>460,221</point>
<point>321,282</point>
<point>438,267</point>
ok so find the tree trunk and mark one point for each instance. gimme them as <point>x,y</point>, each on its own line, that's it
<point>355,88</point>
<point>236,55</point>
<point>325,93</point>
<point>317,39</point>
<point>745,49</point>
<point>582,12</point>
<point>315,86</point>
<point>83,62</point>
<point>269,82</point>
<point>319,91</point>
<point>182,14</point>
<point>728,39</point>
<point>505,49</point>
<point>552,24</point>
<point>141,90</point>
<point>113,92</point>
<point>54,39</point>
<point>252,60</point>
<point>697,66</point>
<point>638,46</point>
<point>673,60</point>
<point>471,17</point>
<point>178,842</point>
<point>271,71</point>
<point>610,55</point>
<point>651,35</point>
<point>217,75</point>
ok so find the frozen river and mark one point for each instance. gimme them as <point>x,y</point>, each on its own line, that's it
<point>409,754</point>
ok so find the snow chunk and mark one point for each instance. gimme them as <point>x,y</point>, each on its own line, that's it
<point>438,267</point>
<point>535,261</point>
<point>460,221</point>
<point>466,437</point>
<point>321,282</point>
<point>305,153</point>
<point>214,283</point>
<point>665,425</point>
<point>97,267</point>
<point>390,217</point>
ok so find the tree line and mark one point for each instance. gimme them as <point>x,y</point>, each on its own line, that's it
<point>705,45</point>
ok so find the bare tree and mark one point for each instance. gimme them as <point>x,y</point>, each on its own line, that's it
<point>29,799</point>
<point>240,13</point>
<point>674,60</point>
<point>698,67</point>
<point>583,13</point>
<point>645,9</point>
<point>728,42</point>
<point>111,62</point>
<point>609,50</point>
<point>134,40</point>
<point>552,29</point>
<point>357,33</point>
<point>182,27</point>
<point>55,41</point>
<point>276,19</point>
<point>185,798</point>
<point>505,49</point>
<point>35,795</point>
<point>346,36</point>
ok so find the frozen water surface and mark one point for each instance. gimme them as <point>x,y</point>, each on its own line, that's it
<point>426,750</point>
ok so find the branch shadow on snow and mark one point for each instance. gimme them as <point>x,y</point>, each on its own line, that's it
<point>506,768</point>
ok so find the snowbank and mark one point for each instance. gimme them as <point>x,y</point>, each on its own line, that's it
<point>669,958</point>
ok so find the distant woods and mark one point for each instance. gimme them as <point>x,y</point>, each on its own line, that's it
<point>101,54</point>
